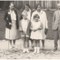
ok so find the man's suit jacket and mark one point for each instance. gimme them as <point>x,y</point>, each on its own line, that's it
<point>56,20</point>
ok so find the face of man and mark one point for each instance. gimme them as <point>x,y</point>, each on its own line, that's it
<point>26,8</point>
<point>38,8</point>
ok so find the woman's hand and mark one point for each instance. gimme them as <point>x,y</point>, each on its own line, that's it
<point>10,23</point>
<point>39,28</point>
<point>46,30</point>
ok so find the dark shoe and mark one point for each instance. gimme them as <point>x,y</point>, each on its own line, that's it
<point>55,49</point>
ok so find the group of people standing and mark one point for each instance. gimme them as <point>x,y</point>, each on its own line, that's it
<point>33,26</point>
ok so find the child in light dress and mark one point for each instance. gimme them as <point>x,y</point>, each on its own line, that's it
<point>25,24</point>
<point>36,32</point>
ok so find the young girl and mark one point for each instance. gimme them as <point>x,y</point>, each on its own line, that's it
<point>36,32</point>
<point>25,24</point>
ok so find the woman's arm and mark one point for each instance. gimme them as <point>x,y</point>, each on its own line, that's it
<point>5,17</point>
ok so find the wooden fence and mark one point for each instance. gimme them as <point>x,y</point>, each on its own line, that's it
<point>19,4</point>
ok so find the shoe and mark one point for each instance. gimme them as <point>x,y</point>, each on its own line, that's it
<point>38,50</point>
<point>10,47</point>
<point>27,50</point>
<point>24,50</point>
<point>35,49</point>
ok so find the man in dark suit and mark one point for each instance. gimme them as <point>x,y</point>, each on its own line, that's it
<point>56,26</point>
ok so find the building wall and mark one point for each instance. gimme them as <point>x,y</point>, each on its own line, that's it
<point>19,4</point>
<point>44,4</point>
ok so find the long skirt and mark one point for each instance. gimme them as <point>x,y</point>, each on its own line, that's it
<point>12,34</point>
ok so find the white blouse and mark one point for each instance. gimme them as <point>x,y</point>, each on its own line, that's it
<point>27,13</point>
<point>13,15</point>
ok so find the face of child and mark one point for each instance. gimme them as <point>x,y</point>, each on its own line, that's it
<point>36,19</point>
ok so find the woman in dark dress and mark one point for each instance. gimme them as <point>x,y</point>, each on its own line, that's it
<point>12,25</point>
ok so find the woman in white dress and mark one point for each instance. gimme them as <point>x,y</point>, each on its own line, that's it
<point>12,25</point>
<point>44,21</point>
<point>36,32</point>
<point>25,27</point>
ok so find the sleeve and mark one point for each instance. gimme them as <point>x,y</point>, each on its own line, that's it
<point>54,17</point>
<point>46,21</point>
<point>5,17</point>
<point>32,16</point>
<point>20,26</point>
<point>30,25</point>
<point>29,15</point>
<point>46,24</point>
<point>17,17</point>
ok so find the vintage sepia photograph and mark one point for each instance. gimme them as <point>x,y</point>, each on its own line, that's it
<point>30,29</point>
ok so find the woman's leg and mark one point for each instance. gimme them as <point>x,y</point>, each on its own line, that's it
<point>38,43</point>
<point>43,44</point>
<point>13,43</point>
<point>38,46</point>
<point>10,42</point>
<point>26,44</point>
<point>35,46</point>
<point>35,43</point>
<point>32,44</point>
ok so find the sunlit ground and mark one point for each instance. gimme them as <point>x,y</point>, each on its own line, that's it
<point>7,53</point>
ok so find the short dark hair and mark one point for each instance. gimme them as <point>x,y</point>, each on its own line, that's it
<point>37,6</point>
<point>27,5</point>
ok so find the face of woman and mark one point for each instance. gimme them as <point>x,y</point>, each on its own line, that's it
<point>39,8</point>
<point>26,8</point>
<point>11,6</point>
<point>36,19</point>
